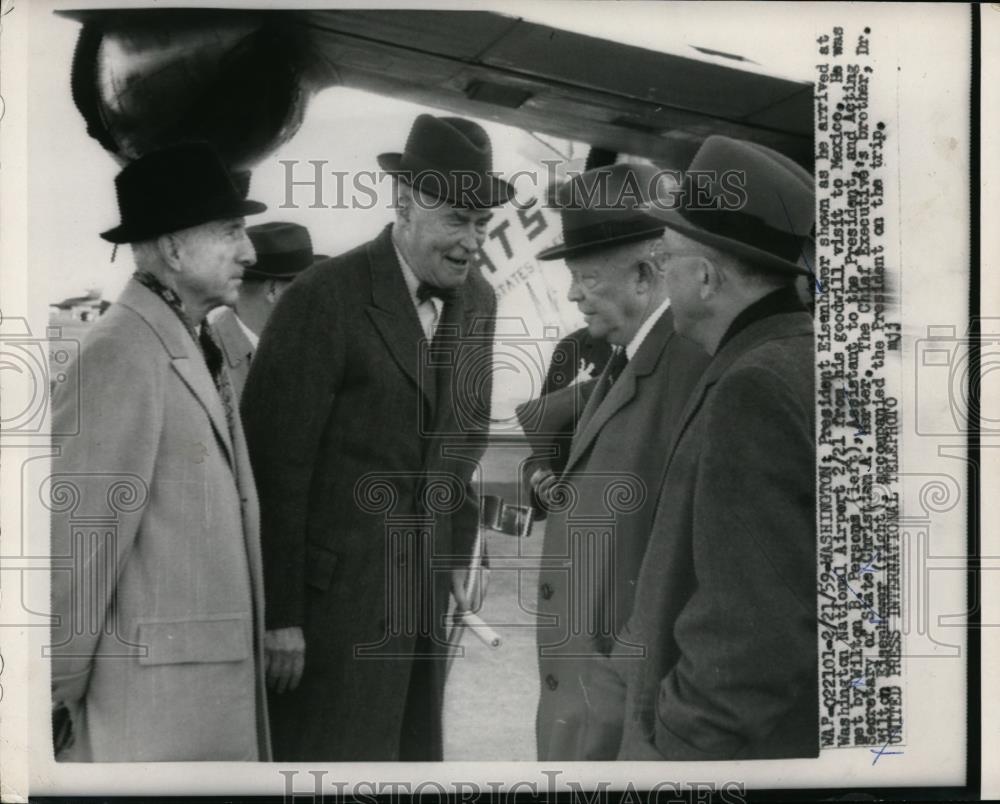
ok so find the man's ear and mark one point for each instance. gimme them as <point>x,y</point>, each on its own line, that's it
<point>169,246</point>
<point>646,274</point>
<point>404,200</point>
<point>272,291</point>
<point>710,278</point>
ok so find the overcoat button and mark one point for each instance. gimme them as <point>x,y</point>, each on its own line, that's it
<point>546,591</point>
<point>551,681</point>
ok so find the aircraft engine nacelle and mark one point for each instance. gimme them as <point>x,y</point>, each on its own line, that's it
<point>240,81</point>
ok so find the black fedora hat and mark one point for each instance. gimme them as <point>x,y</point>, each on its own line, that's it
<point>176,188</point>
<point>606,207</point>
<point>241,178</point>
<point>771,227</point>
<point>284,250</point>
<point>449,158</point>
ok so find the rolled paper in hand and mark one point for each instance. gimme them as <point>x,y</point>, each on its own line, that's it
<point>479,627</point>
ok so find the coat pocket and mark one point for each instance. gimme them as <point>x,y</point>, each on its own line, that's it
<point>222,638</point>
<point>320,565</point>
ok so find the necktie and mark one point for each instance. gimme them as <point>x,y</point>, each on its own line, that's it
<point>445,337</point>
<point>427,291</point>
<point>616,366</point>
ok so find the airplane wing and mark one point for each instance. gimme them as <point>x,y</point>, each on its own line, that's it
<point>252,71</point>
<point>564,84</point>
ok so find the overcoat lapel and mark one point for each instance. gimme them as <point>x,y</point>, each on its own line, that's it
<point>235,344</point>
<point>773,327</point>
<point>603,406</point>
<point>185,356</point>
<point>394,316</point>
<point>600,408</point>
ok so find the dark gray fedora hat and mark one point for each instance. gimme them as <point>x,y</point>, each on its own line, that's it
<point>605,207</point>
<point>772,226</point>
<point>450,158</point>
<point>284,250</point>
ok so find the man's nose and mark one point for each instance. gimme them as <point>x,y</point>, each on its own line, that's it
<point>473,239</point>
<point>247,254</point>
<point>573,294</point>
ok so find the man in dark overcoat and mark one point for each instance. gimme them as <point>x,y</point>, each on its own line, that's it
<point>365,410</point>
<point>725,605</point>
<point>602,504</point>
<point>284,250</point>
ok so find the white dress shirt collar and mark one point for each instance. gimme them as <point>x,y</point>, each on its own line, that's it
<point>429,310</point>
<point>217,313</point>
<point>643,331</point>
<point>251,335</point>
<point>412,282</point>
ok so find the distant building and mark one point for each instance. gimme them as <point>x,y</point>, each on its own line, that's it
<point>80,308</point>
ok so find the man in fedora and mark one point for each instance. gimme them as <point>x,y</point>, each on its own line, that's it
<point>157,588</point>
<point>284,250</point>
<point>616,456</point>
<point>366,410</point>
<point>725,605</point>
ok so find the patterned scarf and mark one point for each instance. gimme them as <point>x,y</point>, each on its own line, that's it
<point>210,350</point>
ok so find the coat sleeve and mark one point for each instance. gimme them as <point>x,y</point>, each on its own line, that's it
<point>747,636</point>
<point>288,397</point>
<point>465,521</point>
<point>102,469</point>
<point>550,422</point>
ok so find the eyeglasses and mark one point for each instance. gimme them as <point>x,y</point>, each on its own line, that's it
<point>592,281</point>
<point>586,282</point>
<point>671,255</point>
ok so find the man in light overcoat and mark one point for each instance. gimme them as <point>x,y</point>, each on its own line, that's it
<point>157,588</point>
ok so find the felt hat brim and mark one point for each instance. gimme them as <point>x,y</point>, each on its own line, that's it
<point>135,233</point>
<point>759,257</point>
<point>562,251</point>
<point>492,192</point>
<point>252,273</point>
<point>771,223</point>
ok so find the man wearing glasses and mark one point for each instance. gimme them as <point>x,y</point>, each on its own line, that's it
<point>611,246</point>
